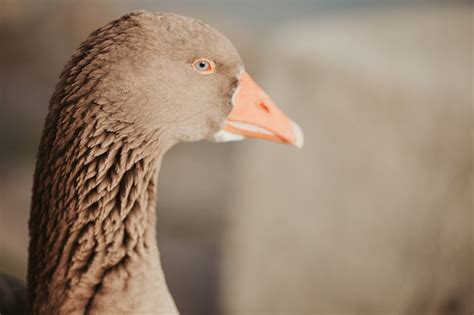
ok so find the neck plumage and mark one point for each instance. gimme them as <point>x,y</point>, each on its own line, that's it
<point>93,243</point>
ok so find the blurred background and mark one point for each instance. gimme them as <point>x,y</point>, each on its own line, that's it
<point>373,216</point>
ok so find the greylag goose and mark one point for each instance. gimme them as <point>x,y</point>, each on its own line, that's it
<point>133,89</point>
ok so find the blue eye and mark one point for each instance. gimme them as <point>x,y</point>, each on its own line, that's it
<point>204,66</point>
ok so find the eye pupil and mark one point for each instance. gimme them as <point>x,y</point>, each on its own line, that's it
<point>204,66</point>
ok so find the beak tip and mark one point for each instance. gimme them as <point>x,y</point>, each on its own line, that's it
<point>299,137</point>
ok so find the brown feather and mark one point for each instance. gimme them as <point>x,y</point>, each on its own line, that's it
<point>126,96</point>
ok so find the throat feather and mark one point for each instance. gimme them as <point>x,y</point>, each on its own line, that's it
<point>100,214</point>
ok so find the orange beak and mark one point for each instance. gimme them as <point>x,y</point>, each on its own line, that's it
<point>256,116</point>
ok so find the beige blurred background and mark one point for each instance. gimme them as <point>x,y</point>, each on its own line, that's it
<point>373,216</point>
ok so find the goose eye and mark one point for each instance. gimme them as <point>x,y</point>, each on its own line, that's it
<point>203,66</point>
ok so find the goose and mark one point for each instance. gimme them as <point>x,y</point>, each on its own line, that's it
<point>132,90</point>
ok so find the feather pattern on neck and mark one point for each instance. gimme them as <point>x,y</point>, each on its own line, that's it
<point>92,224</point>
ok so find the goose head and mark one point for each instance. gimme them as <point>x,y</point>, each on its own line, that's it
<point>134,88</point>
<point>176,76</point>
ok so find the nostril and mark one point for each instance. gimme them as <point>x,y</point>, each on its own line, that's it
<point>264,106</point>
